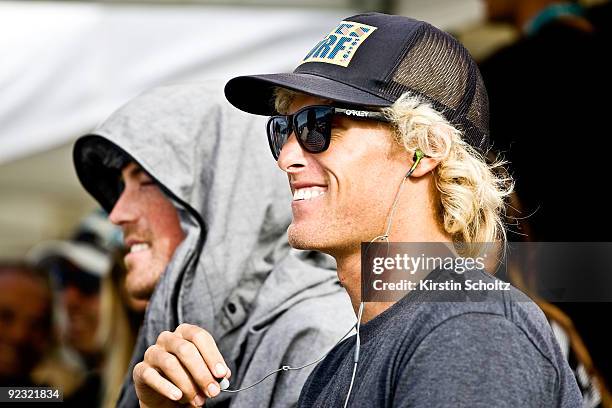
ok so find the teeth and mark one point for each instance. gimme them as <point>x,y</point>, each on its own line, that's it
<point>139,247</point>
<point>308,193</point>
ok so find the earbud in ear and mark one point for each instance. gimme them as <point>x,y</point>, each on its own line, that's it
<point>418,155</point>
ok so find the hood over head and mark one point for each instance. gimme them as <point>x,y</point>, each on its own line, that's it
<point>233,273</point>
<point>234,203</point>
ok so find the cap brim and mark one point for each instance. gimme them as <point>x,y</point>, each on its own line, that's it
<point>84,256</point>
<point>255,93</point>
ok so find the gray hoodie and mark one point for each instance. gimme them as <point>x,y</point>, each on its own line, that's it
<point>265,304</point>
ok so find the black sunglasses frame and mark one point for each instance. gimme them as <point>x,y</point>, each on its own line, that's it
<point>292,125</point>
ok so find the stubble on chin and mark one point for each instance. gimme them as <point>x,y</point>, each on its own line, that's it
<point>303,238</point>
<point>139,284</point>
<point>295,239</point>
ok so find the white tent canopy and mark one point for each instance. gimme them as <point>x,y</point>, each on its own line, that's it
<point>66,66</point>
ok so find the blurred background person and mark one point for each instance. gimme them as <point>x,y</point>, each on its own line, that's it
<point>548,103</point>
<point>120,320</point>
<point>26,331</point>
<point>548,100</point>
<point>561,278</point>
<point>100,320</point>
<point>77,267</point>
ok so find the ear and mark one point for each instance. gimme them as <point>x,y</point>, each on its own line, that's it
<point>426,165</point>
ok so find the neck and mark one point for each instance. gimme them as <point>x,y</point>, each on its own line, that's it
<point>414,221</point>
<point>349,273</point>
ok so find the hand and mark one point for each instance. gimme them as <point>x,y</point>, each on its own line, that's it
<point>182,367</point>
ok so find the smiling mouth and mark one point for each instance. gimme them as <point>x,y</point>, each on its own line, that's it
<point>308,193</point>
<point>142,246</point>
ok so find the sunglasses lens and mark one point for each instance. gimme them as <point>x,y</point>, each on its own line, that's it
<point>66,274</point>
<point>278,133</point>
<point>313,128</point>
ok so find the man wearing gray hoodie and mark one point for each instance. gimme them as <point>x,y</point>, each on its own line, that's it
<point>205,214</point>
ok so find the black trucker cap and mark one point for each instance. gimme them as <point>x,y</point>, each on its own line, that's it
<point>370,60</point>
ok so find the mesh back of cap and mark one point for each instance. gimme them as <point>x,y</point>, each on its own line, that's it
<point>438,68</point>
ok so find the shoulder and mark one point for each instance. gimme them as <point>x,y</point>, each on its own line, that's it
<point>478,358</point>
<point>506,348</point>
<point>508,313</point>
<point>329,315</point>
<point>492,320</point>
<point>490,336</point>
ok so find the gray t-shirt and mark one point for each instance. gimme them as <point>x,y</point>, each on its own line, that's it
<point>439,349</point>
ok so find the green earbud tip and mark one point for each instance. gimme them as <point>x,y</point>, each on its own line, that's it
<point>418,155</point>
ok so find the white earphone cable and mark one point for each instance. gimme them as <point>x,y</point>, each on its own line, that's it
<point>288,368</point>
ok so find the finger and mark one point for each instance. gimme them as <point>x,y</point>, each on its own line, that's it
<point>145,375</point>
<point>189,356</point>
<point>207,347</point>
<point>169,367</point>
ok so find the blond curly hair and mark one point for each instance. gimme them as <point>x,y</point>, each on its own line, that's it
<point>472,191</point>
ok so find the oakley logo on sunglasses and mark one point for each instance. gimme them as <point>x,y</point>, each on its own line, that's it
<point>361,114</point>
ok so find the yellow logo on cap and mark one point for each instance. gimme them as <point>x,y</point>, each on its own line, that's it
<point>340,45</point>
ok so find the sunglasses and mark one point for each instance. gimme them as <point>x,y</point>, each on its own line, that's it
<point>66,274</point>
<point>312,126</point>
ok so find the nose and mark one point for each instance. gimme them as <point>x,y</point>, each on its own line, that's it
<point>124,210</point>
<point>72,297</point>
<point>292,157</point>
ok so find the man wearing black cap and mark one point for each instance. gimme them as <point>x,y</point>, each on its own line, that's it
<point>396,153</point>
